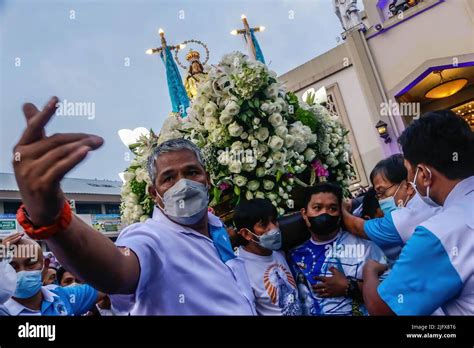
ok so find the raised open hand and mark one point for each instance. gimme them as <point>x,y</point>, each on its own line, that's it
<point>40,162</point>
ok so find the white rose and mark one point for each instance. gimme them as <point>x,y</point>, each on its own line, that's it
<point>141,175</point>
<point>248,195</point>
<point>244,135</point>
<point>236,147</point>
<point>126,189</point>
<point>278,156</point>
<point>201,101</point>
<point>309,155</point>
<point>235,129</point>
<point>262,134</point>
<point>210,123</point>
<point>272,196</point>
<point>132,198</point>
<point>275,119</point>
<point>260,172</point>
<point>264,107</point>
<point>281,131</point>
<point>259,194</point>
<point>275,142</point>
<point>240,180</point>
<point>268,185</point>
<point>262,149</point>
<point>253,185</point>
<point>225,118</point>
<point>128,176</point>
<point>272,91</point>
<point>299,145</point>
<point>278,107</point>
<point>289,140</point>
<point>235,167</point>
<point>256,121</point>
<point>232,108</point>
<point>224,158</point>
<point>206,87</point>
<point>210,109</point>
<point>271,109</point>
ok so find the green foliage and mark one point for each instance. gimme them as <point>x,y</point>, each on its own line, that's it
<point>307,118</point>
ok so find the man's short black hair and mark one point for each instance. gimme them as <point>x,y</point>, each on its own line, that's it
<point>370,204</point>
<point>249,212</point>
<point>392,168</point>
<point>442,140</point>
<point>323,187</point>
<point>60,273</point>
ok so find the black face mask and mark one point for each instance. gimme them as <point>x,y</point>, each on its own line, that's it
<point>323,224</point>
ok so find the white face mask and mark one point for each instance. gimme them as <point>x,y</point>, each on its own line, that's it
<point>8,281</point>
<point>270,240</point>
<point>427,199</point>
<point>185,202</point>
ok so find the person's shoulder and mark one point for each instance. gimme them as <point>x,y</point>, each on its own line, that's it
<point>349,238</point>
<point>458,217</point>
<point>4,311</point>
<point>150,229</point>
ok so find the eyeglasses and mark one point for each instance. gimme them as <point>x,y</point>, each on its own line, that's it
<point>380,194</point>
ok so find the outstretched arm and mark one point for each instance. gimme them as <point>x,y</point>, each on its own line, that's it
<point>40,162</point>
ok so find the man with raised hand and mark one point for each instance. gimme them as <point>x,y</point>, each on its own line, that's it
<point>178,262</point>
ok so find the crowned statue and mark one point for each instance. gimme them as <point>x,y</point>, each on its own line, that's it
<point>195,73</point>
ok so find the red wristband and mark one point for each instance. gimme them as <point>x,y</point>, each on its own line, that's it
<point>44,232</point>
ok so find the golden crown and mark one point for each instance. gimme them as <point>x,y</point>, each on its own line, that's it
<point>192,55</point>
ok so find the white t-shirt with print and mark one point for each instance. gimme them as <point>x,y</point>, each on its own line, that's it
<point>273,284</point>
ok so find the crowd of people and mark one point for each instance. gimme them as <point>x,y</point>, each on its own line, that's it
<point>405,246</point>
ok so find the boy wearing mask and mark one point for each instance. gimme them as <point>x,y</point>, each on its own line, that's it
<point>329,265</point>
<point>270,277</point>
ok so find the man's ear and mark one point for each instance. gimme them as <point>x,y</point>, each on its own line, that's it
<point>425,175</point>
<point>245,234</point>
<point>410,190</point>
<point>305,218</point>
<point>152,192</point>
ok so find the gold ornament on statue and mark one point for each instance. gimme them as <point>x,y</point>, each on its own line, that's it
<point>195,68</point>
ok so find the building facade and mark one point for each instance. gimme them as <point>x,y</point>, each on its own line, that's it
<point>384,68</point>
<point>97,202</point>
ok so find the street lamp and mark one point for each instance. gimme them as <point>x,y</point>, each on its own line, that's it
<point>383,132</point>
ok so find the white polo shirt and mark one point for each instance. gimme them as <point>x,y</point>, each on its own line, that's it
<point>392,231</point>
<point>436,266</point>
<point>183,272</point>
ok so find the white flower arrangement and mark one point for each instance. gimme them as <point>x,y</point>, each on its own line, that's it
<point>253,145</point>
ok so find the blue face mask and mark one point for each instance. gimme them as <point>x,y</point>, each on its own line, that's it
<point>28,284</point>
<point>388,204</point>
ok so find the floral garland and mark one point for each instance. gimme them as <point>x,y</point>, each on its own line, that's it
<point>258,141</point>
